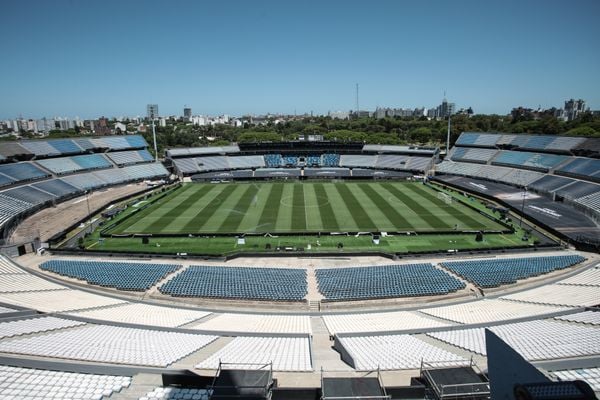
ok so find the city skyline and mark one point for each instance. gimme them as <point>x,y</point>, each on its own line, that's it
<point>109,58</point>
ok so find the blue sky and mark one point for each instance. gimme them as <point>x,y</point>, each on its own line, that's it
<point>92,58</point>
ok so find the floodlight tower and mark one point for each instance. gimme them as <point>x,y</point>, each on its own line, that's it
<point>152,111</point>
<point>357,109</point>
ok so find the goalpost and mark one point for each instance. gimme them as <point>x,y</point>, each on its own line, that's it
<point>446,198</point>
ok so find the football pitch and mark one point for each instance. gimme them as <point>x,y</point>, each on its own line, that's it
<point>299,207</point>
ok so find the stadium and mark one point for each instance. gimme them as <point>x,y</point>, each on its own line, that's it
<point>299,270</point>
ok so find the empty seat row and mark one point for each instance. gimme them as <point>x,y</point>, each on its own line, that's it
<point>119,275</point>
<point>277,284</point>
<point>385,281</point>
<point>502,271</point>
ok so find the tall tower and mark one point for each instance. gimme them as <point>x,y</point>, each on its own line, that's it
<point>152,111</point>
<point>187,112</point>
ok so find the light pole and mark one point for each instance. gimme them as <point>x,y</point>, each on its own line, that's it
<point>524,194</point>
<point>89,217</point>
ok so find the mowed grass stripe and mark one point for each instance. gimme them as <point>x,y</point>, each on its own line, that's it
<point>433,221</point>
<point>359,214</point>
<point>298,210</point>
<point>313,213</point>
<point>395,217</point>
<point>268,218</point>
<point>450,209</point>
<point>176,208</point>
<point>233,220</point>
<point>327,215</point>
<point>198,221</point>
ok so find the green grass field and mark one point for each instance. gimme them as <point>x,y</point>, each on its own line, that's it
<point>298,207</point>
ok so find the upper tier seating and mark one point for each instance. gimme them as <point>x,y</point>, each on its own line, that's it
<point>313,161</point>
<point>477,139</point>
<point>472,154</point>
<point>522,159</point>
<point>584,317</point>
<point>583,168</point>
<point>120,142</point>
<point>290,161</point>
<point>22,172</point>
<point>239,283</point>
<point>129,157</point>
<point>502,271</point>
<point>13,149</point>
<point>69,165</point>
<point>549,143</point>
<point>123,276</point>
<point>386,281</point>
<point>589,375</point>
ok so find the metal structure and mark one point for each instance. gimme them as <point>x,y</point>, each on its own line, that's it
<point>442,380</point>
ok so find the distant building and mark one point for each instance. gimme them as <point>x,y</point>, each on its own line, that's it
<point>152,111</point>
<point>101,126</point>
<point>187,113</point>
<point>573,108</point>
<point>162,122</point>
<point>339,114</point>
<point>120,128</point>
<point>445,109</point>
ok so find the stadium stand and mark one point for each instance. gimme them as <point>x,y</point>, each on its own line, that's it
<point>22,172</point>
<point>246,162</point>
<point>489,310</point>
<point>119,275</point>
<point>256,323</point>
<point>475,155</point>
<point>34,325</point>
<point>522,159</point>
<point>589,375</point>
<point>290,161</point>
<point>378,173</point>
<point>10,150</point>
<point>391,161</point>
<point>384,282</point>
<point>58,300</point>
<point>286,353</point>
<point>502,271</point>
<point>559,294</point>
<point>585,317</point>
<point>330,160</point>
<point>273,160</point>
<point>169,393</point>
<point>364,161</point>
<point>534,340</point>
<point>276,284</point>
<point>112,344</point>
<point>420,164</point>
<point>69,165</point>
<point>589,277</point>
<point>477,139</point>
<point>389,352</point>
<point>379,322</point>
<point>508,175</point>
<point>202,151</point>
<point>24,282</point>
<point>31,383</point>
<point>144,314</point>
<point>129,157</point>
<point>582,168</point>
<point>115,143</point>
<point>313,160</point>
<point>57,187</point>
